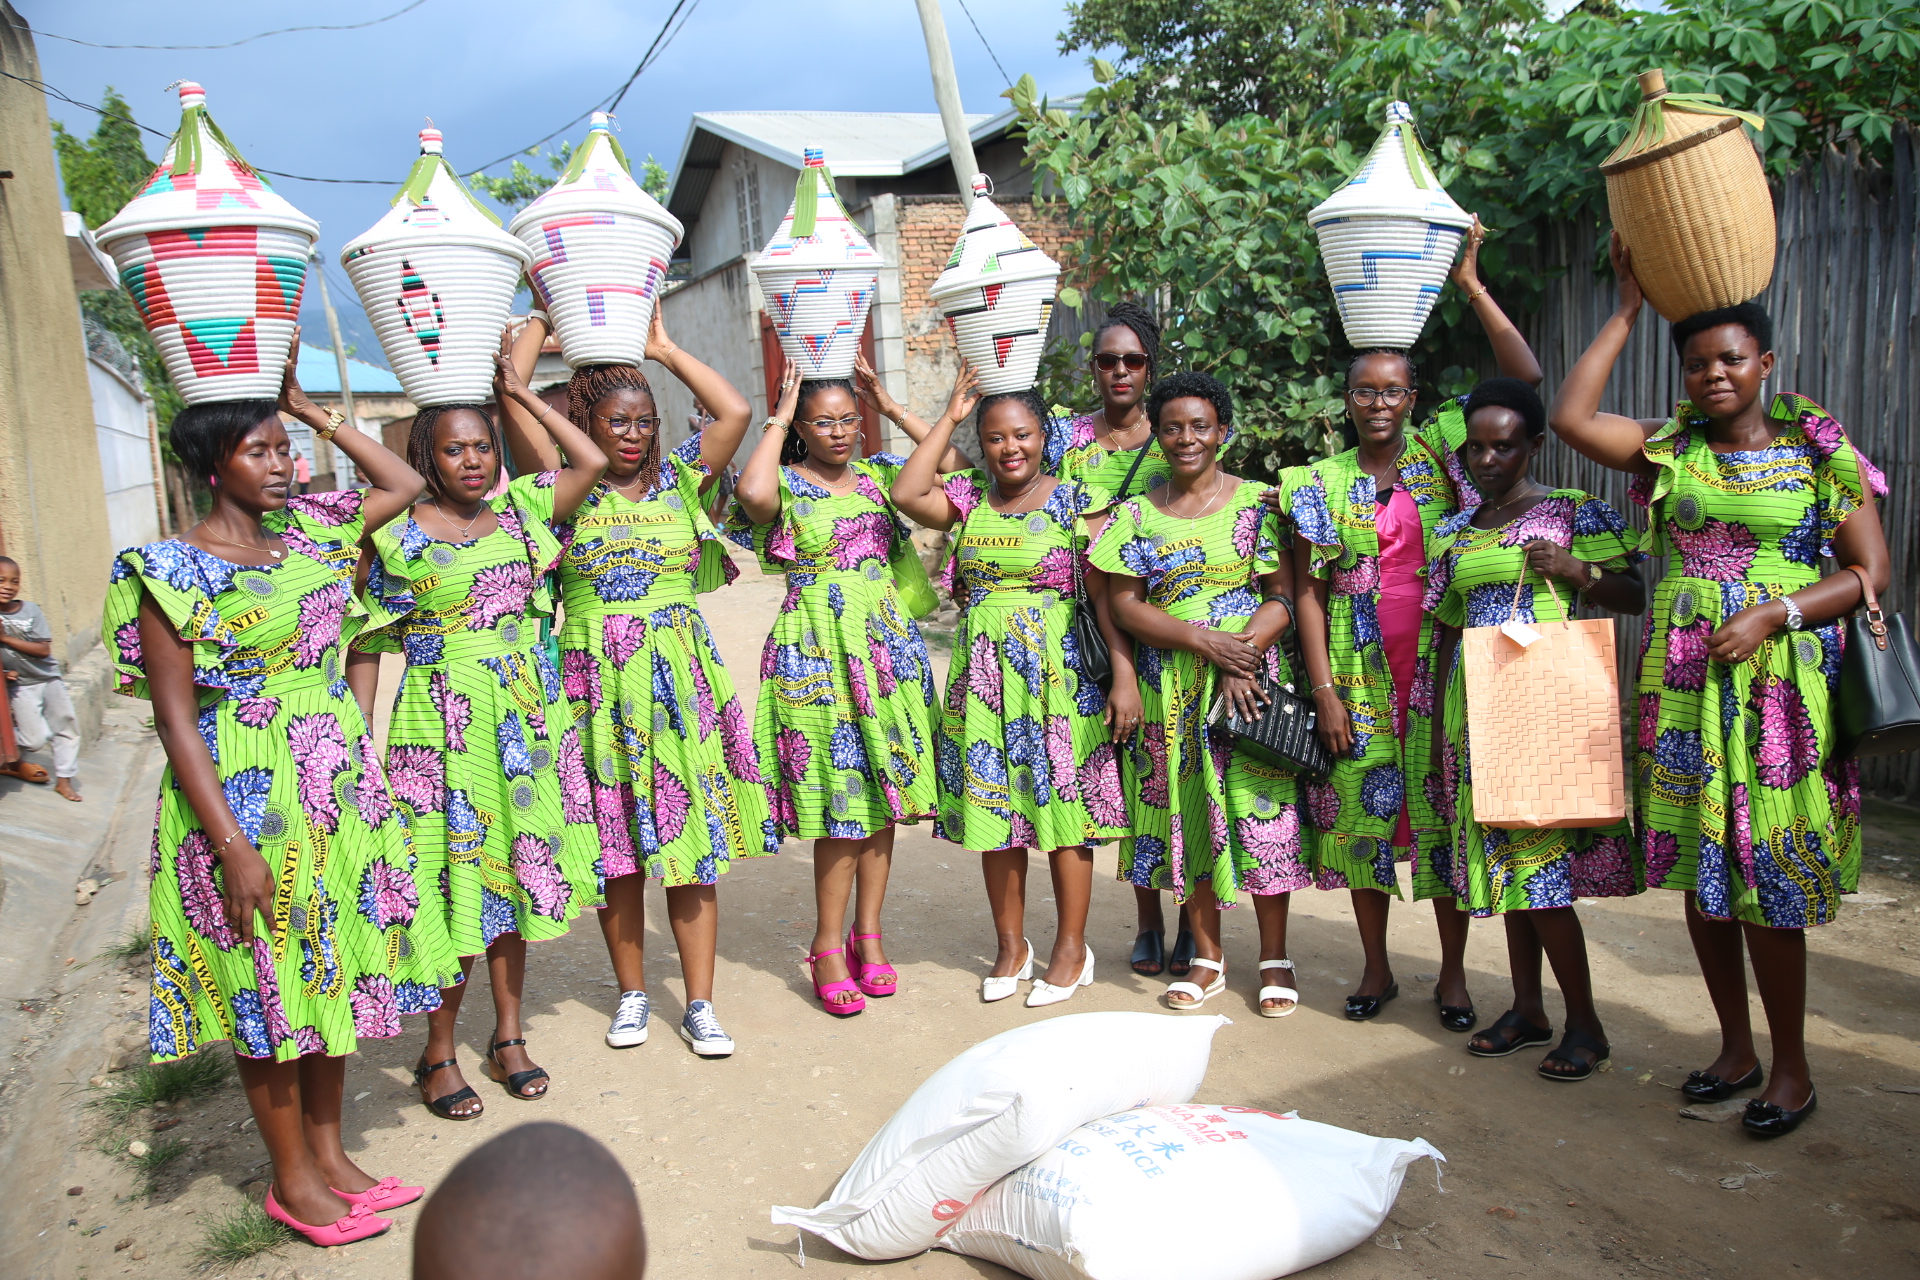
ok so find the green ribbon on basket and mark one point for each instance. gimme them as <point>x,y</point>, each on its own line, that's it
<point>806,198</point>
<point>1417,162</point>
<point>420,178</point>
<point>577,165</point>
<point>1649,127</point>
<point>187,156</point>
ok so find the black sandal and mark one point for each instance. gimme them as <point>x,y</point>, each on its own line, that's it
<point>1456,1017</point>
<point>1149,954</point>
<point>444,1105</point>
<point>518,1081</point>
<point>1510,1034</point>
<point>1571,1043</point>
<point>1180,963</point>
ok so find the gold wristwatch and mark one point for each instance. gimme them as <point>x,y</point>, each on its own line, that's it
<point>335,421</point>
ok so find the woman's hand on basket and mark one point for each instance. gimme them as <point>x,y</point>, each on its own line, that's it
<point>789,402</point>
<point>1466,272</point>
<point>1335,726</point>
<point>1124,712</point>
<point>1232,653</point>
<point>246,887</point>
<point>1628,283</point>
<point>875,391</point>
<point>1243,696</point>
<point>1740,637</point>
<point>966,393</point>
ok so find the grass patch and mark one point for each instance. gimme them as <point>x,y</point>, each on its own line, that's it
<point>158,1082</point>
<point>937,638</point>
<point>160,1154</point>
<point>132,945</point>
<point>242,1234</point>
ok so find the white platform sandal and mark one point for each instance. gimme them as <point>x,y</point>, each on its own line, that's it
<point>1197,995</point>
<point>1277,993</point>
<point>1045,993</point>
<point>992,988</point>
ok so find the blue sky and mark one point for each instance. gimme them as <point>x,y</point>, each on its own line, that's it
<point>495,76</point>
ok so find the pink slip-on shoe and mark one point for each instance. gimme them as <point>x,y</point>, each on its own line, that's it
<point>384,1194</point>
<point>826,992</point>
<point>358,1224</point>
<point>860,969</point>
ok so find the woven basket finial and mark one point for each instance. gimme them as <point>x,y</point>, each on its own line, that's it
<point>982,184</point>
<point>816,158</point>
<point>1653,84</point>
<point>430,140</point>
<point>601,122</point>
<point>1398,113</point>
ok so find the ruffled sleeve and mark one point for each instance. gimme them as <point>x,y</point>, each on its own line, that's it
<point>1601,537</point>
<point>965,490</point>
<point>715,568</point>
<point>183,581</point>
<point>389,597</point>
<point>326,526</point>
<point>1303,498</point>
<point>775,543</point>
<point>1439,599</point>
<point>1122,531</point>
<point>1845,475</point>
<point>525,510</point>
<point>1663,449</point>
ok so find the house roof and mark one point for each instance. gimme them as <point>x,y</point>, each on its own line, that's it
<point>859,144</point>
<point>320,374</point>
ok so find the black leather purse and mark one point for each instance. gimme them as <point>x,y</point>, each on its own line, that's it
<point>1285,734</point>
<point>1096,663</point>
<point>1879,704</point>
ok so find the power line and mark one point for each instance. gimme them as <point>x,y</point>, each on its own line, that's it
<point>983,40</point>
<point>351,26</point>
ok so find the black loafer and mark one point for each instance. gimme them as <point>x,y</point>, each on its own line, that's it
<point>1704,1086</point>
<point>1360,1008</point>
<point>1180,963</point>
<point>1456,1017</point>
<point>1771,1120</point>
<point>1149,954</point>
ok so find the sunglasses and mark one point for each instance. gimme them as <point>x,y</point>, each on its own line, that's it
<point>1107,361</point>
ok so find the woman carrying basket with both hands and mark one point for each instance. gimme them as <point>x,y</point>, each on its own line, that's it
<point>846,694</point>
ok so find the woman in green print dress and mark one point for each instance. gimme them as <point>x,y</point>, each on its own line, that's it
<point>1567,542</point>
<point>481,751</point>
<point>1361,519</point>
<point>676,783</point>
<point>846,684</point>
<point>1025,751</point>
<point>1202,584</point>
<point>283,900</point>
<point>1740,802</point>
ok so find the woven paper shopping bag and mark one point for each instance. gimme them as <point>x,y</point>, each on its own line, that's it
<point>1543,722</point>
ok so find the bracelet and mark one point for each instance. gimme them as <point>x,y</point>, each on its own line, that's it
<point>1477,293</point>
<point>229,840</point>
<point>773,424</point>
<point>335,421</point>
<point>1795,619</point>
<point>1317,688</point>
<point>542,316</point>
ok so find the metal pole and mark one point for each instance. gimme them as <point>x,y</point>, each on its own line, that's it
<point>339,351</point>
<point>946,92</point>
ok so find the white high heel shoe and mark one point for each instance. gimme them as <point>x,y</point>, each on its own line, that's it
<point>992,988</point>
<point>1045,993</point>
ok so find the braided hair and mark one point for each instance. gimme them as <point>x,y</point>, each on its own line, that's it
<point>794,448</point>
<point>1131,315</point>
<point>1029,398</point>
<point>592,383</point>
<point>420,446</point>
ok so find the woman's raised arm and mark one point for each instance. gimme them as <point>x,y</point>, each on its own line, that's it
<point>586,461</point>
<point>1608,438</point>
<point>758,489</point>
<point>729,408</point>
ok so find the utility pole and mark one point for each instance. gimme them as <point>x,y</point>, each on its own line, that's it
<point>946,92</point>
<point>339,356</point>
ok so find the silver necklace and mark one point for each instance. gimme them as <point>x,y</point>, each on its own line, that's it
<point>243,546</point>
<point>466,533</point>
<point>1219,483</point>
<point>853,478</point>
<point>1012,498</point>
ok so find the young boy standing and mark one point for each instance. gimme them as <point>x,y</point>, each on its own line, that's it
<point>42,710</point>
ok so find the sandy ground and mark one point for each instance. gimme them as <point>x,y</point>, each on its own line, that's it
<point>1599,1178</point>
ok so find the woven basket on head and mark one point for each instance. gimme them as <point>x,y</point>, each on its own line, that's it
<point>1688,195</point>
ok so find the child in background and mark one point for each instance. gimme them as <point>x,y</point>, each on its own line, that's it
<point>42,710</point>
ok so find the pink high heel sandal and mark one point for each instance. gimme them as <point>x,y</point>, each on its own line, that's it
<point>384,1194</point>
<point>358,1224</point>
<point>838,1008</point>
<point>859,969</point>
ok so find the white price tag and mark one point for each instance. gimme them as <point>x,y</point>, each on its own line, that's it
<point>1520,633</point>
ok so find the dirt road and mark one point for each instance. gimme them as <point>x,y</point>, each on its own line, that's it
<point>1596,1179</point>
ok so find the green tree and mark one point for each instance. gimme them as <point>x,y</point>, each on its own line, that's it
<point>524,182</point>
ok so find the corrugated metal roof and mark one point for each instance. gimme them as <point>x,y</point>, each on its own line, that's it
<point>859,144</point>
<point>320,374</point>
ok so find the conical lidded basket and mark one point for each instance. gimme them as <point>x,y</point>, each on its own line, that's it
<point>997,294</point>
<point>437,276</point>
<point>1686,191</point>
<point>1388,237</point>
<point>818,276</point>
<point>600,248</point>
<point>216,261</point>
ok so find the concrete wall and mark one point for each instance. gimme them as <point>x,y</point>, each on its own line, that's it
<point>120,428</point>
<point>53,516</point>
<point>715,237</point>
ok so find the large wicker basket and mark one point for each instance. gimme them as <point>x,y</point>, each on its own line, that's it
<point>818,277</point>
<point>1688,195</point>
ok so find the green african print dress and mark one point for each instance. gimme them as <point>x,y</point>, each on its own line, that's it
<point>1738,796</point>
<point>1074,452</point>
<point>1371,550</point>
<point>349,951</point>
<point>676,781</point>
<point>1470,583</point>
<point>1200,810</point>
<point>846,687</point>
<point>1024,758</point>
<point>481,752</point>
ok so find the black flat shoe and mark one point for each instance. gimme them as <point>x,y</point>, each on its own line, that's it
<point>1456,1017</point>
<point>1360,1008</point>
<point>1704,1086</point>
<point>1771,1120</point>
<point>1180,963</point>
<point>1149,954</point>
<point>1510,1033</point>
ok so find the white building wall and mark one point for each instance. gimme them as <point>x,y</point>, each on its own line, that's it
<point>121,431</point>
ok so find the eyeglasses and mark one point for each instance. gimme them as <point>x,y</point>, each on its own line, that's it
<point>1107,361</point>
<point>828,424</point>
<point>629,426</point>
<point>1392,397</point>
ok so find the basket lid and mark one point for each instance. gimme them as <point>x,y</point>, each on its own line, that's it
<point>1664,121</point>
<point>1396,180</point>
<point>597,180</point>
<point>202,182</point>
<point>990,250</point>
<point>434,206</point>
<point>816,232</point>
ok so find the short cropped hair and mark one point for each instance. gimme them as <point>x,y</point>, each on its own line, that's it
<point>1510,393</point>
<point>1181,386</point>
<point>1750,316</point>
<point>204,436</point>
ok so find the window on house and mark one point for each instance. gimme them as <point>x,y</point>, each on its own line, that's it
<point>746,204</point>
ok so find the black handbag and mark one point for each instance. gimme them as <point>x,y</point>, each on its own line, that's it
<point>1096,663</point>
<point>1285,734</point>
<point>1879,705</point>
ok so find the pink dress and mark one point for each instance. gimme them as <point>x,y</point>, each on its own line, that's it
<point>1402,556</point>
